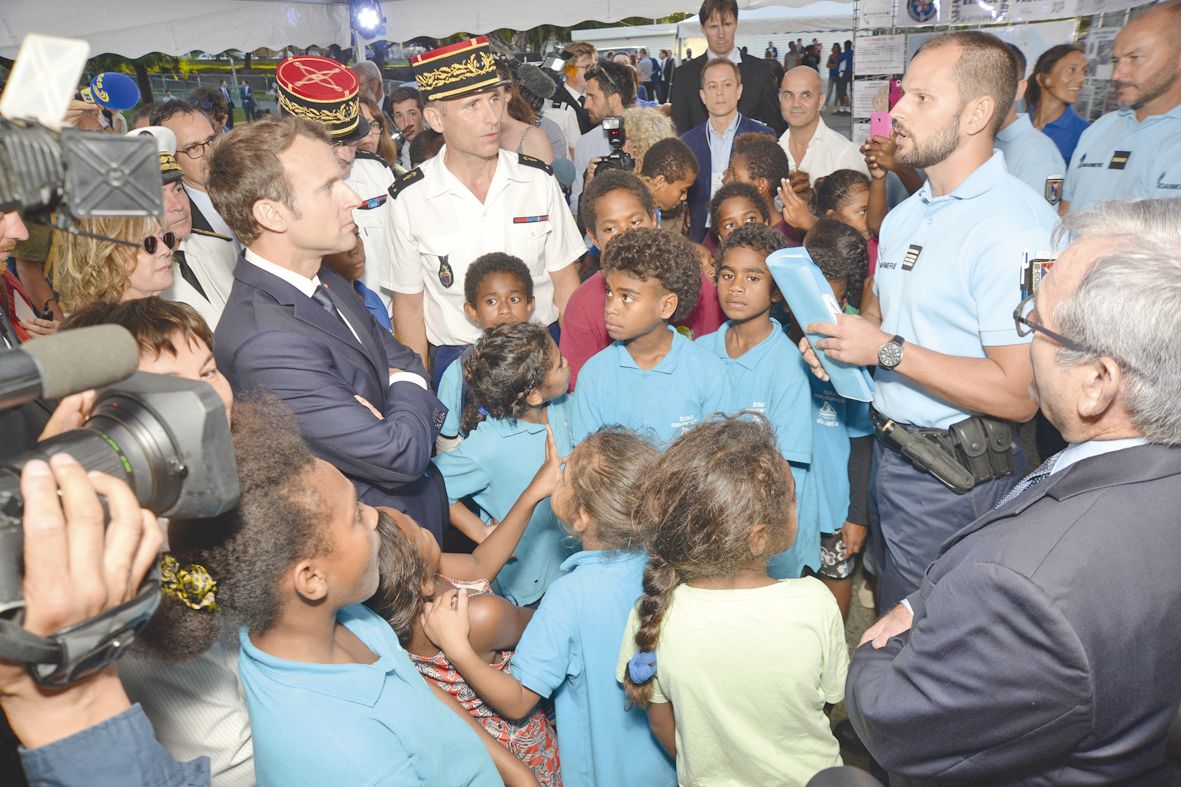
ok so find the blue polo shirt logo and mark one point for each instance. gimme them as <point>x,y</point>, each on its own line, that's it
<point>827,415</point>
<point>1082,162</point>
<point>1161,184</point>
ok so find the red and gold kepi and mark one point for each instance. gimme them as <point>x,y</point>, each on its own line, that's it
<point>456,70</point>
<point>323,91</point>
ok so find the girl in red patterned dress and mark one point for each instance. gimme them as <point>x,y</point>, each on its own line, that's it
<point>414,570</point>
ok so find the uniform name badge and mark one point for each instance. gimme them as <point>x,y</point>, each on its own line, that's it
<point>1053,190</point>
<point>446,275</point>
<point>912,256</point>
<point>1119,159</point>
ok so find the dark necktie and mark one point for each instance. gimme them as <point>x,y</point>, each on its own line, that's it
<point>582,101</point>
<point>186,272</point>
<point>1034,478</point>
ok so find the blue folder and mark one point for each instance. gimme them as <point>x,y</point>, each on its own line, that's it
<point>811,300</point>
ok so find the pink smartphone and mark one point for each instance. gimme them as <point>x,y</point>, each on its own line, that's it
<point>880,125</point>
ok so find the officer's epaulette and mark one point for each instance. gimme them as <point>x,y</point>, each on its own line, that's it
<point>365,154</point>
<point>211,234</point>
<point>536,163</point>
<point>404,180</point>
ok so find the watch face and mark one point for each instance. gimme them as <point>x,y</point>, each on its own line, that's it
<point>890,355</point>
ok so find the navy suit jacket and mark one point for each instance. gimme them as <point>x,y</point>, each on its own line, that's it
<point>1046,642</point>
<point>698,197</point>
<point>759,100</point>
<point>273,337</point>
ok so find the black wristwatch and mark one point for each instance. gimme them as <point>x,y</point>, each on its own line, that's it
<point>891,353</point>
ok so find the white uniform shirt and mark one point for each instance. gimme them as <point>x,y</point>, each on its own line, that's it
<point>372,180</point>
<point>440,228</point>
<point>827,152</point>
<point>564,115</point>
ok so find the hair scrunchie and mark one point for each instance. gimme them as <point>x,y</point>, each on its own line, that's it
<point>642,667</point>
<point>191,585</point>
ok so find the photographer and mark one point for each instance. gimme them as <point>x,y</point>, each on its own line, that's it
<point>610,89</point>
<point>74,568</point>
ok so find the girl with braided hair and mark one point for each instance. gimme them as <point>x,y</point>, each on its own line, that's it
<point>733,666</point>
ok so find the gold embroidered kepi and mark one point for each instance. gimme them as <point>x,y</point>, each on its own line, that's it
<point>456,70</point>
<point>324,91</point>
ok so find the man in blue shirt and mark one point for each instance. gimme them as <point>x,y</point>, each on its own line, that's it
<point>1030,155</point>
<point>949,275</point>
<point>1120,150</point>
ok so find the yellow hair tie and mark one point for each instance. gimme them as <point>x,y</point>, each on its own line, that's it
<point>191,585</point>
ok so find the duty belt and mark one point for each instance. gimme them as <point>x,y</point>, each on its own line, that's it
<point>974,450</point>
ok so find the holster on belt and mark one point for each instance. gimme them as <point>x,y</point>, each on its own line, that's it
<point>973,451</point>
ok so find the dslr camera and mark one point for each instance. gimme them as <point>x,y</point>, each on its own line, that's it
<point>616,137</point>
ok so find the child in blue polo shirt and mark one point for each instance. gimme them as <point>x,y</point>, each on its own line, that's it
<point>764,368</point>
<point>498,289</point>
<point>516,381</point>
<point>650,378</point>
<point>569,648</point>
<point>835,493</point>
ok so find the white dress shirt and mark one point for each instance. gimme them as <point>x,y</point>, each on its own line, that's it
<point>827,152</point>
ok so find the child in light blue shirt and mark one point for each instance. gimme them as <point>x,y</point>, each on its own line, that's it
<point>516,381</point>
<point>569,648</point>
<point>498,289</point>
<point>650,378</point>
<point>764,368</point>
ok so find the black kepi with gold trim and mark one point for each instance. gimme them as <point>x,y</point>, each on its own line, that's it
<point>323,91</point>
<point>456,70</point>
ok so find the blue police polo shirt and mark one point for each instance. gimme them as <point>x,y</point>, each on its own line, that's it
<point>494,465</point>
<point>1033,158</point>
<point>317,724</point>
<point>677,394</point>
<point>1162,180</point>
<point>949,277</point>
<point>1065,130</point>
<point>566,653</point>
<point>1114,155</point>
<point>768,379</point>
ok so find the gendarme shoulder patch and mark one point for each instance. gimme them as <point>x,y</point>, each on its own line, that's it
<point>404,180</point>
<point>536,163</point>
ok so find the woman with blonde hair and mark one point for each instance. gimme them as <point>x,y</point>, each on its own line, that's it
<point>113,259</point>
<point>644,127</point>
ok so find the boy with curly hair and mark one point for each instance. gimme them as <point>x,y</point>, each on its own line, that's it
<point>650,378</point>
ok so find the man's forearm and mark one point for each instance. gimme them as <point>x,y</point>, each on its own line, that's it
<point>565,283</point>
<point>979,384</point>
<point>410,325</point>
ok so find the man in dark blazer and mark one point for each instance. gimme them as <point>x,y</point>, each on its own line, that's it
<point>1044,644</point>
<point>299,331</point>
<point>721,95</point>
<point>760,99</point>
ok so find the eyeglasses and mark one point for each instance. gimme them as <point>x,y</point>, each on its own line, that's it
<point>1026,326</point>
<point>197,149</point>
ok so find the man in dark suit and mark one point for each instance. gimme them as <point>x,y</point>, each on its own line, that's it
<point>719,22</point>
<point>300,332</point>
<point>667,66</point>
<point>713,141</point>
<point>1042,646</point>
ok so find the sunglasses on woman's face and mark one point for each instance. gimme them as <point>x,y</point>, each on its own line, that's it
<point>152,242</point>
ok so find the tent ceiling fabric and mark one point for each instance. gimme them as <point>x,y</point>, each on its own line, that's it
<point>179,26</point>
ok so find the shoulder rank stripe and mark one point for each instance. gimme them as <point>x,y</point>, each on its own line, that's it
<point>536,163</point>
<point>211,234</point>
<point>404,180</point>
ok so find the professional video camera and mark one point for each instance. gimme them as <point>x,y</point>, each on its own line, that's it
<point>168,438</point>
<point>618,159</point>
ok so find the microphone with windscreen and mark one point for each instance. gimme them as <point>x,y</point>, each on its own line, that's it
<point>563,170</point>
<point>68,362</point>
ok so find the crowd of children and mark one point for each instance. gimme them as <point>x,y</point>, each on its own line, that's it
<point>651,509</point>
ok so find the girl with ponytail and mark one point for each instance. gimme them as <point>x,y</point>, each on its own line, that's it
<point>733,666</point>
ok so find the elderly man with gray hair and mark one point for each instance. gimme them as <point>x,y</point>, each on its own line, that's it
<point>1042,645</point>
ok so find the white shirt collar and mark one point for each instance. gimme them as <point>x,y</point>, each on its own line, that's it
<point>735,55</point>
<point>1076,452</point>
<point>305,285</point>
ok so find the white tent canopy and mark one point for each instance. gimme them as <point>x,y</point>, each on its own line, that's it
<point>135,27</point>
<point>773,21</point>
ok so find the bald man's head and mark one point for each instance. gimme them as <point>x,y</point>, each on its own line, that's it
<point>1147,62</point>
<point>800,97</point>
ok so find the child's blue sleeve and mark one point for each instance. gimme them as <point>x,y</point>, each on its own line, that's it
<point>717,391</point>
<point>451,395</point>
<point>790,411</point>
<point>587,415</point>
<point>462,473</point>
<point>547,653</point>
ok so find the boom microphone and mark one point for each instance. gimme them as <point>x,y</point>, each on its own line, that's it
<point>535,80</point>
<point>55,366</point>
